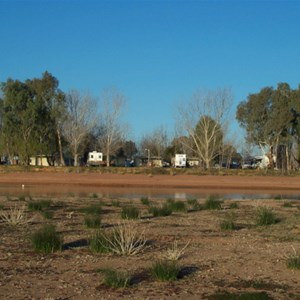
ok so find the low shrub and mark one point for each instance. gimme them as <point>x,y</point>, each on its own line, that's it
<point>94,196</point>
<point>212,202</point>
<point>48,214</point>
<point>176,205</point>
<point>39,205</point>
<point>46,240</point>
<point>162,211</point>
<point>265,216</point>
<point>15,216</point>
<point>124,239</point>
<point>233,205</point>
<point>130,213</point>
<point>228,222</point>
<point>145,201</point>
<point>92,221</point>
<point>165,270</point>
<point>116,279</point>
<point>194,205</point>
<point>287,204</point>
<point>293,260</point>
<point>115,203</point>
<point>92,209</point>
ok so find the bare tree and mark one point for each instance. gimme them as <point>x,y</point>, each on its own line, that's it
<point>80,120</point>
<point>112,130</point>
<point>203,121</point>
<point>156,142</point>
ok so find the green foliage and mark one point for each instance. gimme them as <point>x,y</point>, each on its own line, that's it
<point>115,203</point>
<point>1,206</point>
<point>176,205</point>
<point>46,240</point>
<point>48,214</point>
<point>165,270</point>
<point>145,201</point>
<point>265,216</point>
<point>162,211</point>
<point>228,222</point>
<point>94,196</point>
<point>212,203</point>
<point>39,205</point>
<point>92,209</point>
<point>194,205</point>
<point>99,243</point>
<point>233,205</point>
<point>293,261</point>
<point>92,221</point>
<point>130,213</point>
<point>116,279</point>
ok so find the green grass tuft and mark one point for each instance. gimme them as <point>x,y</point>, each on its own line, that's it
<point>116,279</point>
<point>177,206</point>
<point>265,216</point>
<point>92,209</point>
<point>163,211</point>
<point>46,240</point>
<point>233,205</point>
<point>145,201</point>
<point>92,221</point>
<point>165,270</point>
<point>98,243</point>
<point>228,222</point>
<point>39,205</point>
<point>48,214</point>
<point>212,202</point>
<point>130,213</point>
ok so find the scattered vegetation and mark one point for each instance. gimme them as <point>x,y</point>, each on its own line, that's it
<point>115,203</point>
<point>165,270</point>
<point>130,213</point>
<point>287,204</point>
<point>228,222</point>
<point>175,253</point>
<point>15,216</point>
<point>293,260</point>
<point>162,211</point>
<point>233,205</point>
<point>39,205</point>
<point>92,221</point>
<point>177,206</point>
<point>94,196</point>
<point>48,214</point>
<point>92,209</point>
<point>265,216</point>
<point>145,201</point>
<point>46,240</point>
<point>194,205</point>
<point>212,202</point>
<point>116,279</point>
<point>124,239</point>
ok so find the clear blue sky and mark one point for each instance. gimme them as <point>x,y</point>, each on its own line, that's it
<point>156,52</point>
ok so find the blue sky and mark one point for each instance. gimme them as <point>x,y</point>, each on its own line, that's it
<point>158,53</point>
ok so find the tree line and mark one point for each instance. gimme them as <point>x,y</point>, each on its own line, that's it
<point>37,118</point>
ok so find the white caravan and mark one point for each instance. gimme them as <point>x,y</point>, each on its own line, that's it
<point>95,158</point>
<point>180,161</point>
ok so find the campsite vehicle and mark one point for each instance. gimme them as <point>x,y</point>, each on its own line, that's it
<point>180,161</point>
<point>95,158</point>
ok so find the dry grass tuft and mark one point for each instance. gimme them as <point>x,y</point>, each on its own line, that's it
<point>15,216</point>
<point>174,253</point>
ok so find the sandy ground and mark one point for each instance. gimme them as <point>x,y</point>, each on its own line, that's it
<point>247,259</point>
<point>250,183</point>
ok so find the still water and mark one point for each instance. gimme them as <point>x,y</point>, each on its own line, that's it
<point>135,193</point>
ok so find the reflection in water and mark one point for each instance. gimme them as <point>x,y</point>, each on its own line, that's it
<point>131,193</point>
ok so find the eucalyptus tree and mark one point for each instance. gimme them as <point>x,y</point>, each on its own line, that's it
<point>270,118</point>
<point>202,120</point>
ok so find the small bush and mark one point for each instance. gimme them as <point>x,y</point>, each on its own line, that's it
<point>116,279</point>
<point>265,216</point>
<point>48,214</point>
<point>94,196</point>
<point>39,205</point>
<point>145,201</point>
<point>98,243</point>
<point>46,240</point>
<point>92,221</point>
<point>228,222</point>
<point>165,270</point>
<point>233,205</point>
<point>130,213</point>
<point>21,198</point>
<point>115,203</point>
<point>92,209</point>
<point>176,205</point>
<point>163,211</point>
<point>212,202</point>
<point>287,204</point>
<point>124,239</point>
<point>293,261</point>
<point>15,216</point>
<point>194,205</point>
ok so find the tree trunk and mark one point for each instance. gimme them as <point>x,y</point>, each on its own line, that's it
<point>62,161</point>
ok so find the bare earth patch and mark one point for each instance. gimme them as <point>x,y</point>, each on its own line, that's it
<point>249,258</point>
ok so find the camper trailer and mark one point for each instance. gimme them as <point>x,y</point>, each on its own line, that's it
<point>180,161</point>
<point>95,158</point>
